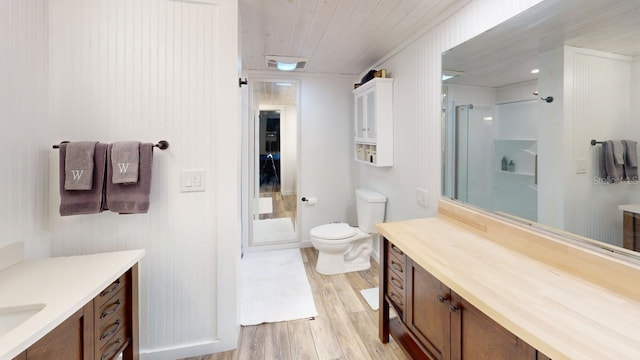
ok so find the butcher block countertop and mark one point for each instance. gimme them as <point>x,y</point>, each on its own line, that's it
<point>62,285</point>
<point>557,307</point>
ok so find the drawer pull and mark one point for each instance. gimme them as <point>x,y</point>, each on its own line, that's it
<point>111,288</point>
<point>396,249</point>
<point>396,266</point>
<point>397,283</point>
<point>111,330</point>
<point>396,299</point>
<point>111,350</point>
<point>113,309</point>
<point>443,298</point>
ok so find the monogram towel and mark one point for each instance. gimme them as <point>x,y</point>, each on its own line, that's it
<point>79,165</point>
<point>130,198</point>
<point>125,157</point>
<point>74,202</point>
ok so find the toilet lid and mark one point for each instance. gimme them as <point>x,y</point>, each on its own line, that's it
<point>333,231</point>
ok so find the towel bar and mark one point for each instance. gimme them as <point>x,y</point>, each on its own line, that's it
<point>594,142</point>
<point>162,145</point>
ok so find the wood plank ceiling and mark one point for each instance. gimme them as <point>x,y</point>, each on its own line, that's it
<point>338,36</point>
<point>506,54</point>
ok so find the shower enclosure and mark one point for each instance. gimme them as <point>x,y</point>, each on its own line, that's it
<point>494,157</point>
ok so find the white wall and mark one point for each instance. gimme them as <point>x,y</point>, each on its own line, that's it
<point>417,110</point>
<point>153,70</point>
<point>326,151</point>
<point>289,149</point>
<point>23,112</point>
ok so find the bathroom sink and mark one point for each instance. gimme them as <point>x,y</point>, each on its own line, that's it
<point>12,316</point>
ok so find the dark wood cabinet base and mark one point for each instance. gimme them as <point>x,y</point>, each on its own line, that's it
<point>434,322</point>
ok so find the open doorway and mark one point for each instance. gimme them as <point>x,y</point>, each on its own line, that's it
<point>274,149</point>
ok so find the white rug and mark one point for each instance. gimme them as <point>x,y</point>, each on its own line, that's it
<point>274,287</point>
<point>265,205</point>
<point>372,297</point>
<point>269,230</point>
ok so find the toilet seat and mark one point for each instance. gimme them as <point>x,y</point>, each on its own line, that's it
<point>336,231</point>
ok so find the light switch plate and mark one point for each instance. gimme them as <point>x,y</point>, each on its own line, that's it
<point>581,166</point>
<point>193,180</point>
<point>423,197</point>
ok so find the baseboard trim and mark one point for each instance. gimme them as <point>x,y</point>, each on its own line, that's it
<point>180,352</point>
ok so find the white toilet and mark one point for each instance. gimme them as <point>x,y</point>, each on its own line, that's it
<point>342,248</point>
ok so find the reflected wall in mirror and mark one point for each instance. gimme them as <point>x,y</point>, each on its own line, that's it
<point>522,103</point>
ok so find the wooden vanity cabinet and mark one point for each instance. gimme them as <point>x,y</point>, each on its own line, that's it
<point>439,324</point>
<point>631,231</point>
<point>103,329</point>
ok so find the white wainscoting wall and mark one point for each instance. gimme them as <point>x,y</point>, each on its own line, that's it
<point>23,111</point>
<point>150,70</point>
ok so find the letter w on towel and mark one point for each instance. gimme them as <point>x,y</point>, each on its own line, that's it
<point>125,160</point>
<point>78,169</point>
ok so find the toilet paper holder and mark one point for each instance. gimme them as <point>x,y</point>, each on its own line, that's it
<point>310,200</point>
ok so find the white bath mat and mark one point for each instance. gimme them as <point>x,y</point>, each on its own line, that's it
<point>265,205</point>
<point>274,287</point>
<point>269,230</point>
<point>372,297</point>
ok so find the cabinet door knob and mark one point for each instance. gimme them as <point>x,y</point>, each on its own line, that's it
<point>454,308</point>
<point>443,298</point>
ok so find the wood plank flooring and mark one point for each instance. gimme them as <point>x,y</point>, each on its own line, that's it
<point>346,327</point>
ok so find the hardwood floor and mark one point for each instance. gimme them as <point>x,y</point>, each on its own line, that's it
<point>346,327</point>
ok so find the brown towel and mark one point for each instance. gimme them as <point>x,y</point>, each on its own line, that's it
<point>131,198</point>
<point>86,201</point>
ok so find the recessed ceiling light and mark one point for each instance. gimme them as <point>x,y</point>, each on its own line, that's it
<point>535,71</point>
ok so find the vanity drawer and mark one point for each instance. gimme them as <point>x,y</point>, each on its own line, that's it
<point>111,310</point>
<point>114,347</point>
<point>116,323</point>
<point>395,276</point>
<point>396,261</point>
<point>111,290</point>
<point>396,298</point>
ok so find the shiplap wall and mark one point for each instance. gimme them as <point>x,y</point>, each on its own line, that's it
<point>152,70</point>
<point>416,71</point>
<point>23,115</point>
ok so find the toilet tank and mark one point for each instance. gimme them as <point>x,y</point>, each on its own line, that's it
<point>370,207</point>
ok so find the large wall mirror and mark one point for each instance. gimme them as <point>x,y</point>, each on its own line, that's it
<point>522,103</point>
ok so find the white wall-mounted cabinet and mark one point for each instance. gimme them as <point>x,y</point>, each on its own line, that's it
<point>374,122</point>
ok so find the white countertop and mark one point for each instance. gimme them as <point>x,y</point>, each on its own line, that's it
<point>634,208</point>
<point>63,284</point>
